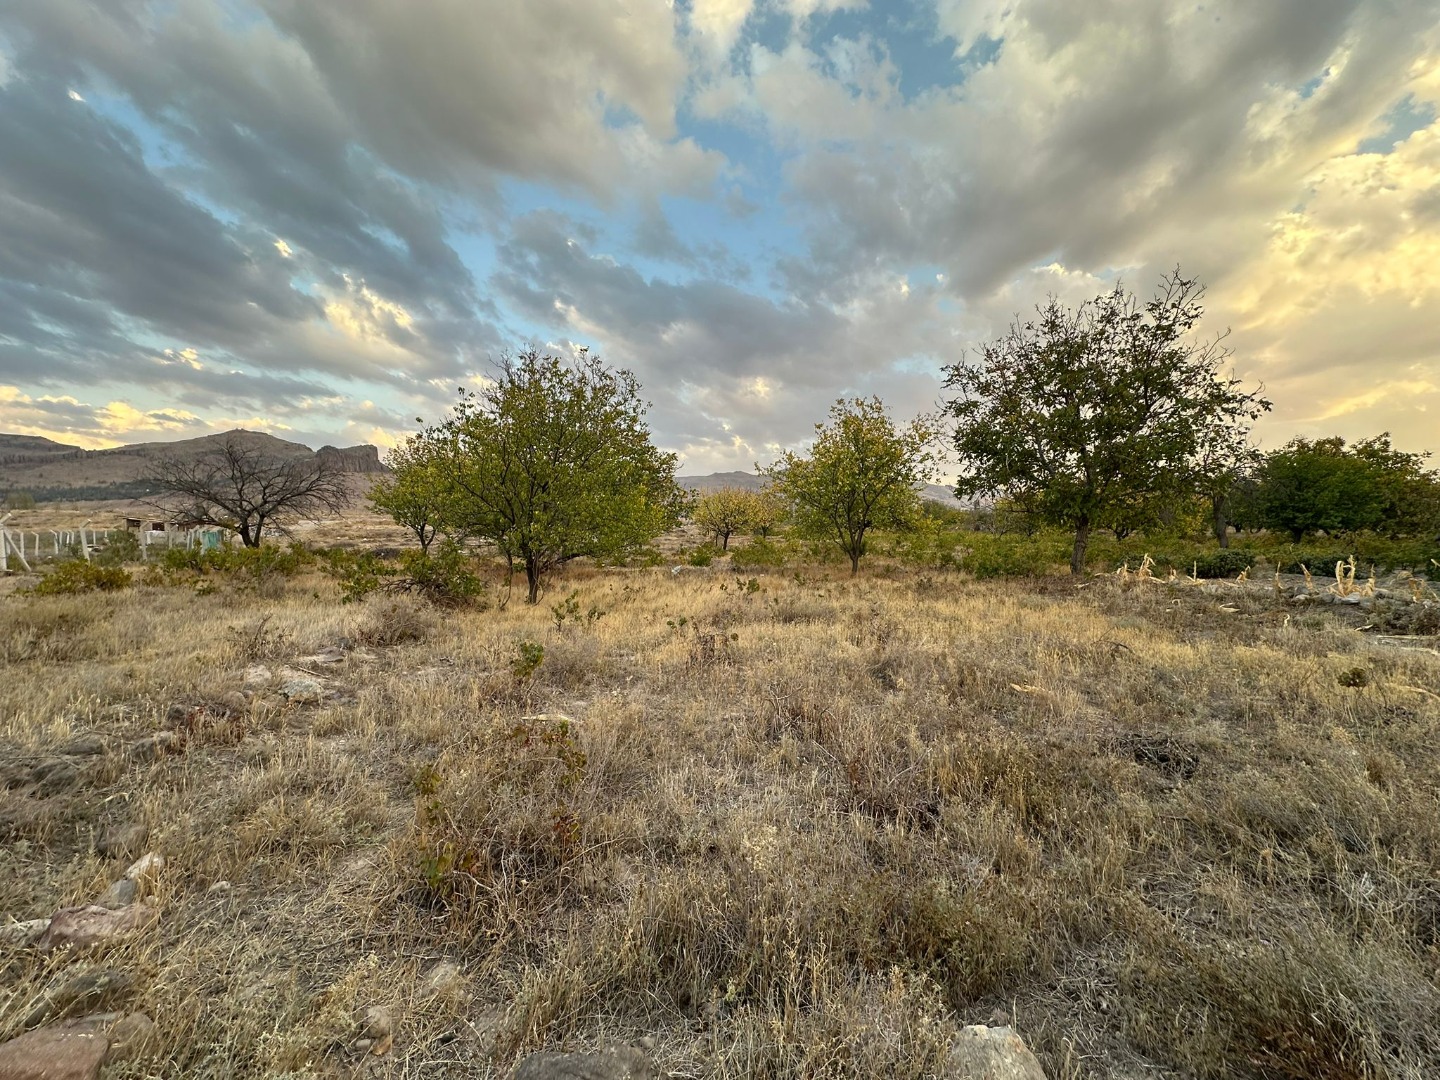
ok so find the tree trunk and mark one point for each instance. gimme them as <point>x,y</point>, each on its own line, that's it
<point>532,581</point>
<point>246,538</point>
<point>1222,527</point>
<point>854,563</point>
<point>1082,541</point>
<point>725,541</point>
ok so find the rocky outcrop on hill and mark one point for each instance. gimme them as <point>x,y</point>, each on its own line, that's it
<point>353,459</point>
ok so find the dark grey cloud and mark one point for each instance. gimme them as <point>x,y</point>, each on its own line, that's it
<point>732,374</point>
<point>183,246</point>
<point>81,215</point>
<point>1100,128</point>
<point>455,92</point>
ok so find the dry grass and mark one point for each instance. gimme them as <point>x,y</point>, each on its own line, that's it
<point>808,830</point>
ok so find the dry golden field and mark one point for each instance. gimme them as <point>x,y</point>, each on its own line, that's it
<point>790,826</point>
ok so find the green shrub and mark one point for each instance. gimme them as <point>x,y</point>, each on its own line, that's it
<point>120,548</point>
<point>529,655</point>
<point>445,576</point>
<point>1009,555</point>
<point>78,576</point>
<point>360,573</point>
<point>264,563</point>
<point>1221,564</point>
<point>701,556</point>
<point>762,553</point>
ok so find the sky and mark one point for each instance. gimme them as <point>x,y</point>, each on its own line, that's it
<point>320,219</point>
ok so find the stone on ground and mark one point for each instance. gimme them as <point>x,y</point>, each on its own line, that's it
<point>69,1051</point>
<point>85,926</point>
<point>992,1053</point>
<point>621,1063</point>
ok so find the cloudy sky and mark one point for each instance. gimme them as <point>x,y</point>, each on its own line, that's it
<point>319,218</point>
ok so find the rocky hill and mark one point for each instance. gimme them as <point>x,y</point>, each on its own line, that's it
<point>51,471</point>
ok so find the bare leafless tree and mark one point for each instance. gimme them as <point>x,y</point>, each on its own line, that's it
<point>246,490</point>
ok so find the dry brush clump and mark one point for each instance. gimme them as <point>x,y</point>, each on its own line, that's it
<point>788,827</point>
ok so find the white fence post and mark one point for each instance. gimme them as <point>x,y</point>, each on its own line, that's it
<point>6,542</point>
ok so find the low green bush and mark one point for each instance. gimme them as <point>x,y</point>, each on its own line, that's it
<point>1226,563</point>
<point>987,555</point>
<point>763,553</point>
<point>359,573</point>
<point>77,576</point>
<point>446,576</point>
<point>120,548</point>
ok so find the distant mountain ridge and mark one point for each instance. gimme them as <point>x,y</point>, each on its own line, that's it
<point>751,482</point>
<point>52,470</point>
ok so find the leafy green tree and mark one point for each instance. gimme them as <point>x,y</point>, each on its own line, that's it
<point>724,512</point>
<point>1224,462</point>
<point>862,474</point>
<point>767,511</point>
<point>1409,492</point>
<point>551,461</point>
<point>1096,416</point>
<point>1317,485</point>
<point>415,492</point>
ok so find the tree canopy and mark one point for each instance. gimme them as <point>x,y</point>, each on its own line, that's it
<point>1097,415</point>
<point>862,473</point>
<point>415,492</point>
<point>1321,485</point>
<point>552,460</point>
<point>725,511</point>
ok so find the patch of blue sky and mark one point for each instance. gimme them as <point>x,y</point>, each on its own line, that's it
<point>909,34</point>
<point>1403,120</point>
<point>1307,89</point>
<point>911,365</point>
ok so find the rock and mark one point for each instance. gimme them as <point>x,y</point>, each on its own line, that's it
<point>22,933</point>
<point>257,677</point>
<point>154,747</point>
<point>120,894</point>
<point>178,714</point>
<point>71,1051</point>
<point>82,746</point>
<point>301,691</point>
<point>132,1037</point>
<point>88,989</point>
<point>330,654</point>
<point>219,888</point>
<point>82,927</point>
<point>991,1053</point>
<point>377,1027</point>
<point>54,776</point>
<point>621,1063</point>
<point>377,1022</point>
<point>123,841</point>
<point>442,979</point>
<point>145,868</point>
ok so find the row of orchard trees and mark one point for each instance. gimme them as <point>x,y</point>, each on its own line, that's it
<point>1109,415</point>
<point>552,461</point>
